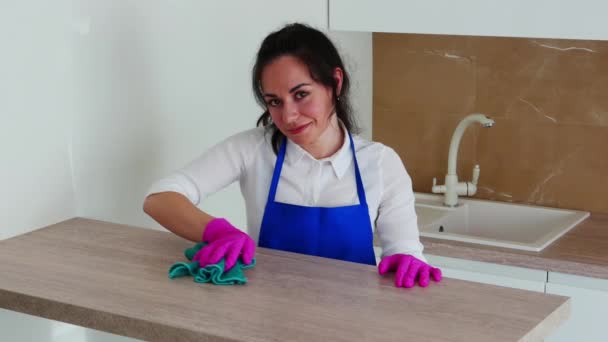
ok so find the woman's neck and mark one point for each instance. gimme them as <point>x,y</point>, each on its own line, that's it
<point>329,142</point>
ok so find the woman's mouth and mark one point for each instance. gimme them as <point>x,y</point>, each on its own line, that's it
<point>299,129</point>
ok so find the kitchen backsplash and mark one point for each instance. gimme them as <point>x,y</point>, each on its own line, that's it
<point>549,99</point>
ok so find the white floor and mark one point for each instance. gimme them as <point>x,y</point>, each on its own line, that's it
<point>18,327</point>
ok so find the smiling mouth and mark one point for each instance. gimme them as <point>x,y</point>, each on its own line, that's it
<point>299,129</point>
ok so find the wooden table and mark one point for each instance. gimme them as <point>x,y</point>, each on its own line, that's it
<point>113,278</point>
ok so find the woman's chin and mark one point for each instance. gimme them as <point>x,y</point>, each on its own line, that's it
<point>299,139</point>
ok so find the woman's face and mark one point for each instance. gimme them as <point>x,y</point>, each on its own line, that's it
<point>299,106</point>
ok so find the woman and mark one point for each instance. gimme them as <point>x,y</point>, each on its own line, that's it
<point>309,185</point>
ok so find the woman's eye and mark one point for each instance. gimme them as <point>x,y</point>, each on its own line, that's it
<point>301,94</point>
<point>273,103</point>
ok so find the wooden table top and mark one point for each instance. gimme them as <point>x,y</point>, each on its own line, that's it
<point>113,278</point>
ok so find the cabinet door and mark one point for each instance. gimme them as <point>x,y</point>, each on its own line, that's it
<point>589,308</point>
<point>580,19</point>
<point>488,273</point>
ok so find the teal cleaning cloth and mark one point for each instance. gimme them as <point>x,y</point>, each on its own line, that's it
<point>211,273</point>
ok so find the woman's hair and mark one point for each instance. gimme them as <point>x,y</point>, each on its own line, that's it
<point>318,53</point>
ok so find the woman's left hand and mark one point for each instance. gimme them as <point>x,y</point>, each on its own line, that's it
<point>409,269</point>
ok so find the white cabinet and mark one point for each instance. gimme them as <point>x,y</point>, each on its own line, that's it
<point>581,19</point>
<point>488,273</point>
<point>589,308</point>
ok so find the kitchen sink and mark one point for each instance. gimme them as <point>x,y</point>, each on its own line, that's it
<point>523,227</point>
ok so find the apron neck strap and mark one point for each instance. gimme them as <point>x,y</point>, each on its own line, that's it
<point>360,188</point>
<point>277,170</point>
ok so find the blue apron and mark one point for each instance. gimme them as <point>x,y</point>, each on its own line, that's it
<point>343,233</point>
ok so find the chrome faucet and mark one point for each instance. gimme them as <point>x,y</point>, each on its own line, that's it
<point>452,188</point>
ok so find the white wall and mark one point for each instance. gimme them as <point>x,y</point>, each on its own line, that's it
<point>160,82</point>
<point>356,50</point>
<point>35,113</point>
<point>100,98</point>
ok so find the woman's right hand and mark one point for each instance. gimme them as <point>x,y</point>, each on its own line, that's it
<point>224,240</point>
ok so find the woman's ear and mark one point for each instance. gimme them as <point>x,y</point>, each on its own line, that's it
<point>338,76</point>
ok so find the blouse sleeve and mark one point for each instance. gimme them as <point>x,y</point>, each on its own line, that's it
<point>397,224</point>
<point>215,169</point>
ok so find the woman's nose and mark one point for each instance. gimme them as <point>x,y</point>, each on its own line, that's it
<point>290,112</point>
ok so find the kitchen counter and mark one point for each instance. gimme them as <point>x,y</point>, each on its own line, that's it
<point>582,251</point>
<point>113,278</point>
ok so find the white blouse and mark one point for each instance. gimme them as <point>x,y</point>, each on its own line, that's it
<point>249,158</point>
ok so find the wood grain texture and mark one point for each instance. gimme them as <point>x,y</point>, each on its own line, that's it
<point>113,278</point>
<point>582,251</point>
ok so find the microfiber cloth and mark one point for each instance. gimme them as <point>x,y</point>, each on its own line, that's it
<point>211,273</point>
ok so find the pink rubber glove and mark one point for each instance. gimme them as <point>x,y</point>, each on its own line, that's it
<point>409,269</point>
<point>224,240</point>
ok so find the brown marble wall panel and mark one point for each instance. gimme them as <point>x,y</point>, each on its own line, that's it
<point>549,99</point>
